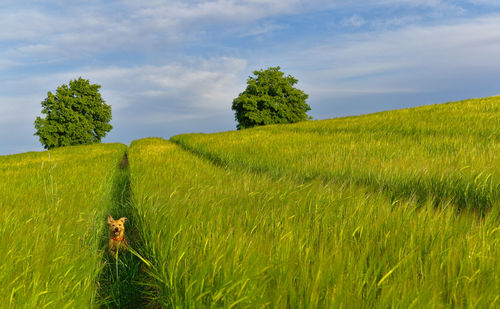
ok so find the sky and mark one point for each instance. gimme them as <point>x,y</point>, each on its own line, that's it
<point>174,66</point>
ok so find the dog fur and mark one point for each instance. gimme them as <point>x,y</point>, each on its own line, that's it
<point>117,239</point>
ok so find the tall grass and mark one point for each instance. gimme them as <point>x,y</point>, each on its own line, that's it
<point>443,152</point>
<point>53,209</point>
<point>232,238</point>
<point>349,212</point>
<point>123,283</point>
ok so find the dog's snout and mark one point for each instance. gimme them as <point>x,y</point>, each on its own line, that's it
<point>117,229</point>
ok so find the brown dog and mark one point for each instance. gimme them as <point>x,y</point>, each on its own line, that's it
<point>117,240</point>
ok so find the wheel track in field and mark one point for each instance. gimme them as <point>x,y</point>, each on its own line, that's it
<point>479,201</point>
<point>126,289</point>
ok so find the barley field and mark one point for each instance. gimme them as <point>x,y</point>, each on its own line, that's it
<point>234,238</point>
<point>441,152</point>
<point>394,209</point>
<point>53,205</point>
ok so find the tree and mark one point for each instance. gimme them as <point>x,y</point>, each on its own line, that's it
<point>75,115</point>
<point>270,98</point>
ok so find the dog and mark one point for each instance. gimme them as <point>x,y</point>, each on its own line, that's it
<point>117,240</point>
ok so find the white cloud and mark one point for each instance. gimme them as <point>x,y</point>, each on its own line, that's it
<point>207,85</point>
<point>493,3</point>
<point>85,29</point>
<point>24,24</point>
<point>211,11</point>
<point>402,54</point>
<point>354,21</point>
<point>6,64</point>
<point>149,98</point>
<point>81,30</point>
<point>196,89</point>
<point>18,109</point>
<point>411,59</point>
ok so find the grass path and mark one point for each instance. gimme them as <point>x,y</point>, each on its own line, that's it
<point>53,231</point>
<point>53,205</point>
<point>124,285</point>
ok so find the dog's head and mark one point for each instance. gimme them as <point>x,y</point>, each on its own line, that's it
<point>116,227</point>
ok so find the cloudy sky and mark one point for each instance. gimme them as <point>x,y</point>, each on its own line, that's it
<point>174,66</point>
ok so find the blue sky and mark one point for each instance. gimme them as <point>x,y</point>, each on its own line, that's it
<point>171,67</point>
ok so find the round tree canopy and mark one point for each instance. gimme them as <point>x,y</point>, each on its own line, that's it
<point>270,98</point>
<point>75,115</point>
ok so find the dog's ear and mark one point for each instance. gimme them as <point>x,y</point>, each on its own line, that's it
<point>123,219</point>
<point>110,219</point>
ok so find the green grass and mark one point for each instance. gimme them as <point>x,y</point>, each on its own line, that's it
<point>229,238</point>
<point>123,281</point>
<point>351,212</point>
<point>54,206</point>
<point>443,152</point>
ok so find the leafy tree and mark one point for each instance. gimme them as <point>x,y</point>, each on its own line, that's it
<point>74,115</point>
<point>270,98</point>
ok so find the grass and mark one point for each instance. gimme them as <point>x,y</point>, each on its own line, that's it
<point>52,224</point>
<point>230,238</point>
<point>123,281</point>
<point>351,212</point>
<point>439,152</point>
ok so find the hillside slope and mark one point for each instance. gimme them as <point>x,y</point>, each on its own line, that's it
<point>445,152</point>
<point>226,237</point>
<point>349,212</point>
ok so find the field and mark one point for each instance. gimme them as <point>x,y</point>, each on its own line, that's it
<point>446,151</point>
<point>51,226</point>
<point>394,209</point>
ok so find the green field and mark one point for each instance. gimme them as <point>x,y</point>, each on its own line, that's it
<point>51,228</point>
<point>446,152</point>
<point>394,209</point>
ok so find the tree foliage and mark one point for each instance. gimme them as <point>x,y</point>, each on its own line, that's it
<point>76,114</point>
<point>270,98</point>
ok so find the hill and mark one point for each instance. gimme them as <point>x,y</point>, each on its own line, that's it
<point>399,208</point>
<point>446,152</point>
